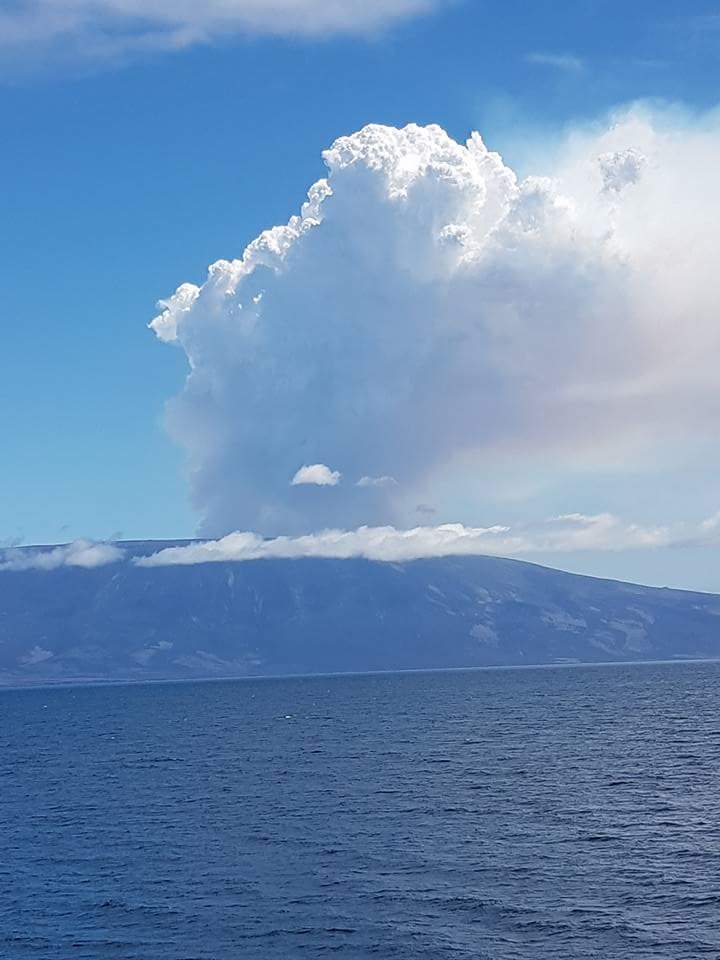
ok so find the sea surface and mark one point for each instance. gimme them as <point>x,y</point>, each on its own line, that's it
<point>548,813</point>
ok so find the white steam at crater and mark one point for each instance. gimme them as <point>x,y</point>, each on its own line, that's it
<point>428,315</point>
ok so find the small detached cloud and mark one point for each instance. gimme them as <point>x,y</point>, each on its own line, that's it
<point>80,553</point>
<point>317,474</point>
<point>558,61</point>
<point>377,482</point>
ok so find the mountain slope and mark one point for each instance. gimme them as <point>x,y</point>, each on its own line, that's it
<point>121,621</point>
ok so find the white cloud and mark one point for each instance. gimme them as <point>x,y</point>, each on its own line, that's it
<point>559,61</point>
<point>316,474</point>
<point>110,29</point>
<point>565,534</point>
<point>80,553</point>
<point>383,481</point>
<point>428,315</point>
<point>372,543</point>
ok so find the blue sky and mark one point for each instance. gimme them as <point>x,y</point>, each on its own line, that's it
<point>126,175</point>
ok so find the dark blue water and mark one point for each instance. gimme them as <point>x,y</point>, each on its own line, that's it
<point>563,813</point>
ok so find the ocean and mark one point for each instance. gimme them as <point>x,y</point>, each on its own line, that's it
<point>564,813</point>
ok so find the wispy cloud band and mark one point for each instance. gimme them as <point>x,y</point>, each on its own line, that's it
<point>558,61</point>
<point>563,534</point>
<point>110,29</point>
<point>567,533</point>
<point>79,553</point>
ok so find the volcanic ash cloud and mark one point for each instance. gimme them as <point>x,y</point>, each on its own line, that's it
<point>428,315</point>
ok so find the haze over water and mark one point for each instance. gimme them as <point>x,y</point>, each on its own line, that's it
<point>550,813</point>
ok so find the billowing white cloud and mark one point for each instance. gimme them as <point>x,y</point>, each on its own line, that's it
<point>80,553</point>
<point>564,534</point>
<point>316,474</point>
<point>428,315</point>
<point>108,29</point>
